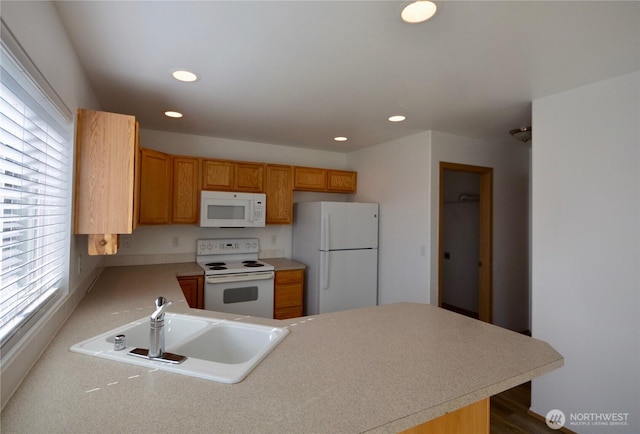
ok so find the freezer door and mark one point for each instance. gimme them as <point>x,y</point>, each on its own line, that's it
<point>348,225</point>
<point>348,280</point>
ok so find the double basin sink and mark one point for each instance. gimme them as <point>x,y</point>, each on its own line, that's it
<point>215,349</point>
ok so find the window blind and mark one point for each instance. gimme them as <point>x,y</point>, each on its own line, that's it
<point>35,168</point>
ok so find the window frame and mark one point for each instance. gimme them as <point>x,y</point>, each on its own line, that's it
<point>28,76</point>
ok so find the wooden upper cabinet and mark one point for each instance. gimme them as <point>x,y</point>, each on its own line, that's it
<point>316,179</point>
<point>225,175</point>
<point>217,175</point>
<point>155,187</point>
<point>105,175</point>
<point>279,194</point>
<point>309,179</point>
<point>186,190</point>
<point>249,177</point>
<point>342,181</point>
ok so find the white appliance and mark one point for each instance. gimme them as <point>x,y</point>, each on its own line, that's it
<point>235,280</point>
<point>338,241</point>
<point>226,209</point>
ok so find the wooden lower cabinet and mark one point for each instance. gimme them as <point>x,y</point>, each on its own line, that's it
<point>288,294</point>
<point>193,289</point>
<point>472,419</point>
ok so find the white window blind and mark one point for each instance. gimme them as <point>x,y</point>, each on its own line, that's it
<point>35,168</point>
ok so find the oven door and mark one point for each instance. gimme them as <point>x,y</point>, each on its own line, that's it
<point>241,293</point>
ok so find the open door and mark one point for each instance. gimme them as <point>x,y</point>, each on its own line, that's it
<point>483,195</point>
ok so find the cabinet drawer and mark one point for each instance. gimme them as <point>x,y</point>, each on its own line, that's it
<point>289,276</point>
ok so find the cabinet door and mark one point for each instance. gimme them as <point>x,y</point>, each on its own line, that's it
<point>193,290</point>
<point>279,194</point>
<point>341,181</point>
<point>309,179</point>
<point>105,161</point>
<point>249,177</point>
<point>217,175</point>
<point>155,187</point>
<point>186,190</point>
<point>288,294</point>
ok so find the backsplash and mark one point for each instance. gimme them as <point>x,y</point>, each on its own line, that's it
<point>177,243</point>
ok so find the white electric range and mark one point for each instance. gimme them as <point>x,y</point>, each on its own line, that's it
<point>235,280</point>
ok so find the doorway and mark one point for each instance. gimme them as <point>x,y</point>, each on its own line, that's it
<point>465,240</point>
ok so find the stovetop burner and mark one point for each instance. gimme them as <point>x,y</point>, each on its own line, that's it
<point>218,267</point>
<point>253,264</point>
<point>215,264</point>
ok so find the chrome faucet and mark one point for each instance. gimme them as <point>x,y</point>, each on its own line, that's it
<point>156,334</point>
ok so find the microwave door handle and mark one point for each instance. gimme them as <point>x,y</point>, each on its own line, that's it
<point>251,211</point>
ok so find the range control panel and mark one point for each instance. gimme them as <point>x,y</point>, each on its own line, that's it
<point>218,246</point>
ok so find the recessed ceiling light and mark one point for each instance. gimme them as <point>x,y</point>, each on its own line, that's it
<point>340,139</point>
<point>397,118</point>
<point>184,75</point>
<point>418,11</point>
<point>173,114</point>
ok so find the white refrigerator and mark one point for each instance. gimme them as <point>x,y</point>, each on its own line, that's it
<point>338,242</point>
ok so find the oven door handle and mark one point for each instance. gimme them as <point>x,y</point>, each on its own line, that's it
<point>241,277</point>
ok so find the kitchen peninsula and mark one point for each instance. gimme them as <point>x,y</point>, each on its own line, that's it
<point>381,369</point>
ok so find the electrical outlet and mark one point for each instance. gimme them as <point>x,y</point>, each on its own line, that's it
<point>176,241</point>
<point>125,242</point>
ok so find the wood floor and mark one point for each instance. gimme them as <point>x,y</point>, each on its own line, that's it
<point>509,413</point>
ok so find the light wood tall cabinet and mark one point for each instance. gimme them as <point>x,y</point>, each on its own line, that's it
<point>155,186</point>
<point>279,190</point>
<point>106,186</point>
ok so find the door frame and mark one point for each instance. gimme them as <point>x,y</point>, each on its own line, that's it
<point>485,267</point>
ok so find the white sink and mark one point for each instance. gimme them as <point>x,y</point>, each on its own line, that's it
<point>216,349</point>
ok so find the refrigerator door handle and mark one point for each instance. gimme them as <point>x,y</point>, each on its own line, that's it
<point>324,270</point>
<point>324,242</point>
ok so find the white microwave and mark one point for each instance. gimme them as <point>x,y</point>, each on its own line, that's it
<point>225,209</point>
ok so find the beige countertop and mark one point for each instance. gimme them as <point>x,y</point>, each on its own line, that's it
<point>281,264</point>
<point>380,369</point>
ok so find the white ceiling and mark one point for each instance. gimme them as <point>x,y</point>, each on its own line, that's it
<point>299,73</point>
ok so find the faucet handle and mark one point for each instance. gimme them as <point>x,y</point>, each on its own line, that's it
<point>161,305</point>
